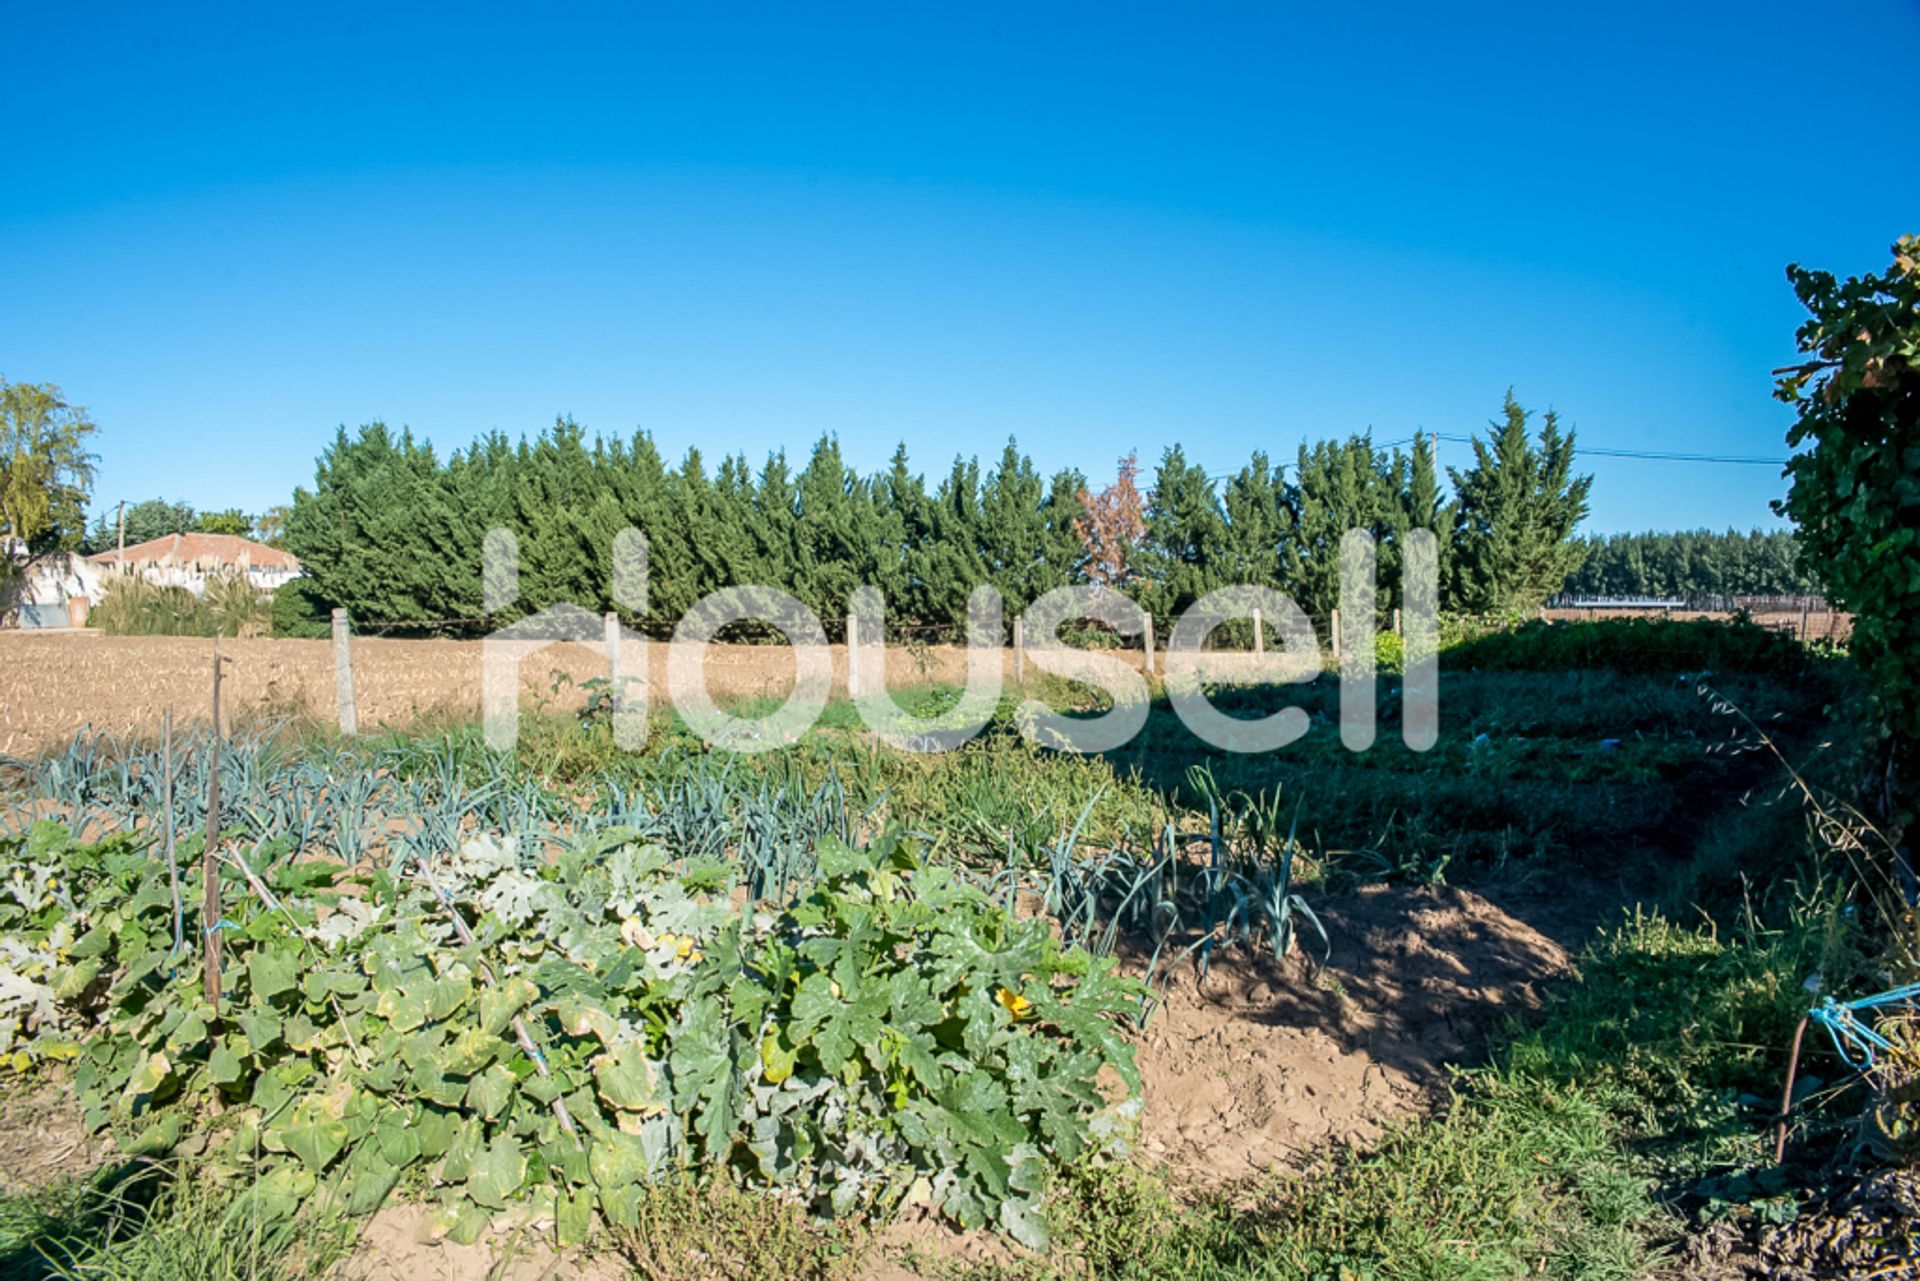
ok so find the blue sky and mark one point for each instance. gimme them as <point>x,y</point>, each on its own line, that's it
<point>1094,227</point>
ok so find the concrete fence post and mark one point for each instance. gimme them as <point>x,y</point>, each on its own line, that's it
<point>343,673</point>
<point>1147,662</point>
<point>616,685</point>
<point>1259,634</point>
<point>1333,635</point>
<point>853,655</point>
<point>1019,651</point>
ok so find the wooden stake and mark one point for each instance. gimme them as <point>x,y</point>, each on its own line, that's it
<point>343,673</point>
<point>166,832</point>
<point>210,914</point>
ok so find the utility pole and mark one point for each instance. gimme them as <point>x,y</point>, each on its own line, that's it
<point>122,566</point>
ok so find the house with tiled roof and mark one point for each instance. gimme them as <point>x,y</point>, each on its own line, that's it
<point>189,560</point>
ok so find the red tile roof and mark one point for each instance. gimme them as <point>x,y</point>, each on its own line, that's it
<point>201,549</point>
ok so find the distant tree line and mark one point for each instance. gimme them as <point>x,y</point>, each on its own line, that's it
<point>156,518</point>
<point>393,532</point>
<point>1691,563</point>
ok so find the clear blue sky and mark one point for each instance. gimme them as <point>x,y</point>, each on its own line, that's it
<point>1097,227</point>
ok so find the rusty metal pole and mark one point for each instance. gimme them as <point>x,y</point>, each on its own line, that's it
<point>1786,1095</point>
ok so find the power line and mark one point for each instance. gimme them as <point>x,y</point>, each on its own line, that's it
<point>1650,455</point>
<point>1644,455</point>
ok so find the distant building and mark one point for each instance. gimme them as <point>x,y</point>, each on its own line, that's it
<point>189,560</point>
<point>55,590</point>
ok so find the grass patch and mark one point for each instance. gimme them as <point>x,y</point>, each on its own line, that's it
<point>142,1223</point>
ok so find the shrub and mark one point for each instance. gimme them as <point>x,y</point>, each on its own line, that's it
<point>299,612</point>
<point>1640,646</point>
<point>229,605</point>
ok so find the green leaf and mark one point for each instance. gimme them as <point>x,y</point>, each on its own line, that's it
<point>628,1080</point>
<point>277,1195</point>
<point>619,1160</point>
<point>224,1066</point>
<point>500,1003</point>
<point>468,1052</point>
<point>497,1173</point>
<point>1025,1222</point>
<point>75,980</point>
<point>261,1027</point>
<point>573,1218</point>
<point>491,1091</point>
<point>317,1142</point>
<point>404,1009</point>
<point>580,1018</point>
<point>158,1139</point>
<point>446,996</point>
<point>190,1034</point>
<point>153,1069</point>
<point>270,972</point>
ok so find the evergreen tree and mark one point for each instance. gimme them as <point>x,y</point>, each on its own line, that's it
<point>905,517</point>
<point>776,513</point>
<point>554,490</point>
<point>952,564</point>
<point>1690,564</point>
<point>1419,504</point>
<point>1186,537</point>
<point>836,535</point>
<point>1338,486</point>
<point>1012,534</point>
<point>645,491</point>
<point>1062,512</point>
<point>379,533</point>
<point>1259,525</point>
<point>1518,506</point>
<point>146,520</point>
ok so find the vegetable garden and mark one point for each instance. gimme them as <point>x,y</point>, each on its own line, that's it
<point>541,989</point>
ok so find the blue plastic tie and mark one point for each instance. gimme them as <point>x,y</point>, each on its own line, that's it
<point>1858,1044</point>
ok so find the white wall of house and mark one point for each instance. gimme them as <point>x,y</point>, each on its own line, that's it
<point>194,576</point>
<point>40,598</point>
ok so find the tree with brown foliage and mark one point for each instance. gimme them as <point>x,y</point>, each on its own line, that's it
<point>1113,526</point>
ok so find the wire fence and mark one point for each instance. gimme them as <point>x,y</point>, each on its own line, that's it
<point>1698,603</point>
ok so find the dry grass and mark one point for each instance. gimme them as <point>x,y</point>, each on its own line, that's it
<point>53,685</point>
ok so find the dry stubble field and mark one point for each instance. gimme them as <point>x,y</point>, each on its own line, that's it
<point>52,685</point>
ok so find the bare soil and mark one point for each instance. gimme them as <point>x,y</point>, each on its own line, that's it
<point>42,1140</point>
<point>400,1243</point>
<point>1260,1064</point>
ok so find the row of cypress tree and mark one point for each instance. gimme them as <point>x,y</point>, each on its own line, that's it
<point>1691,564</point>
<point>393,533</point>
